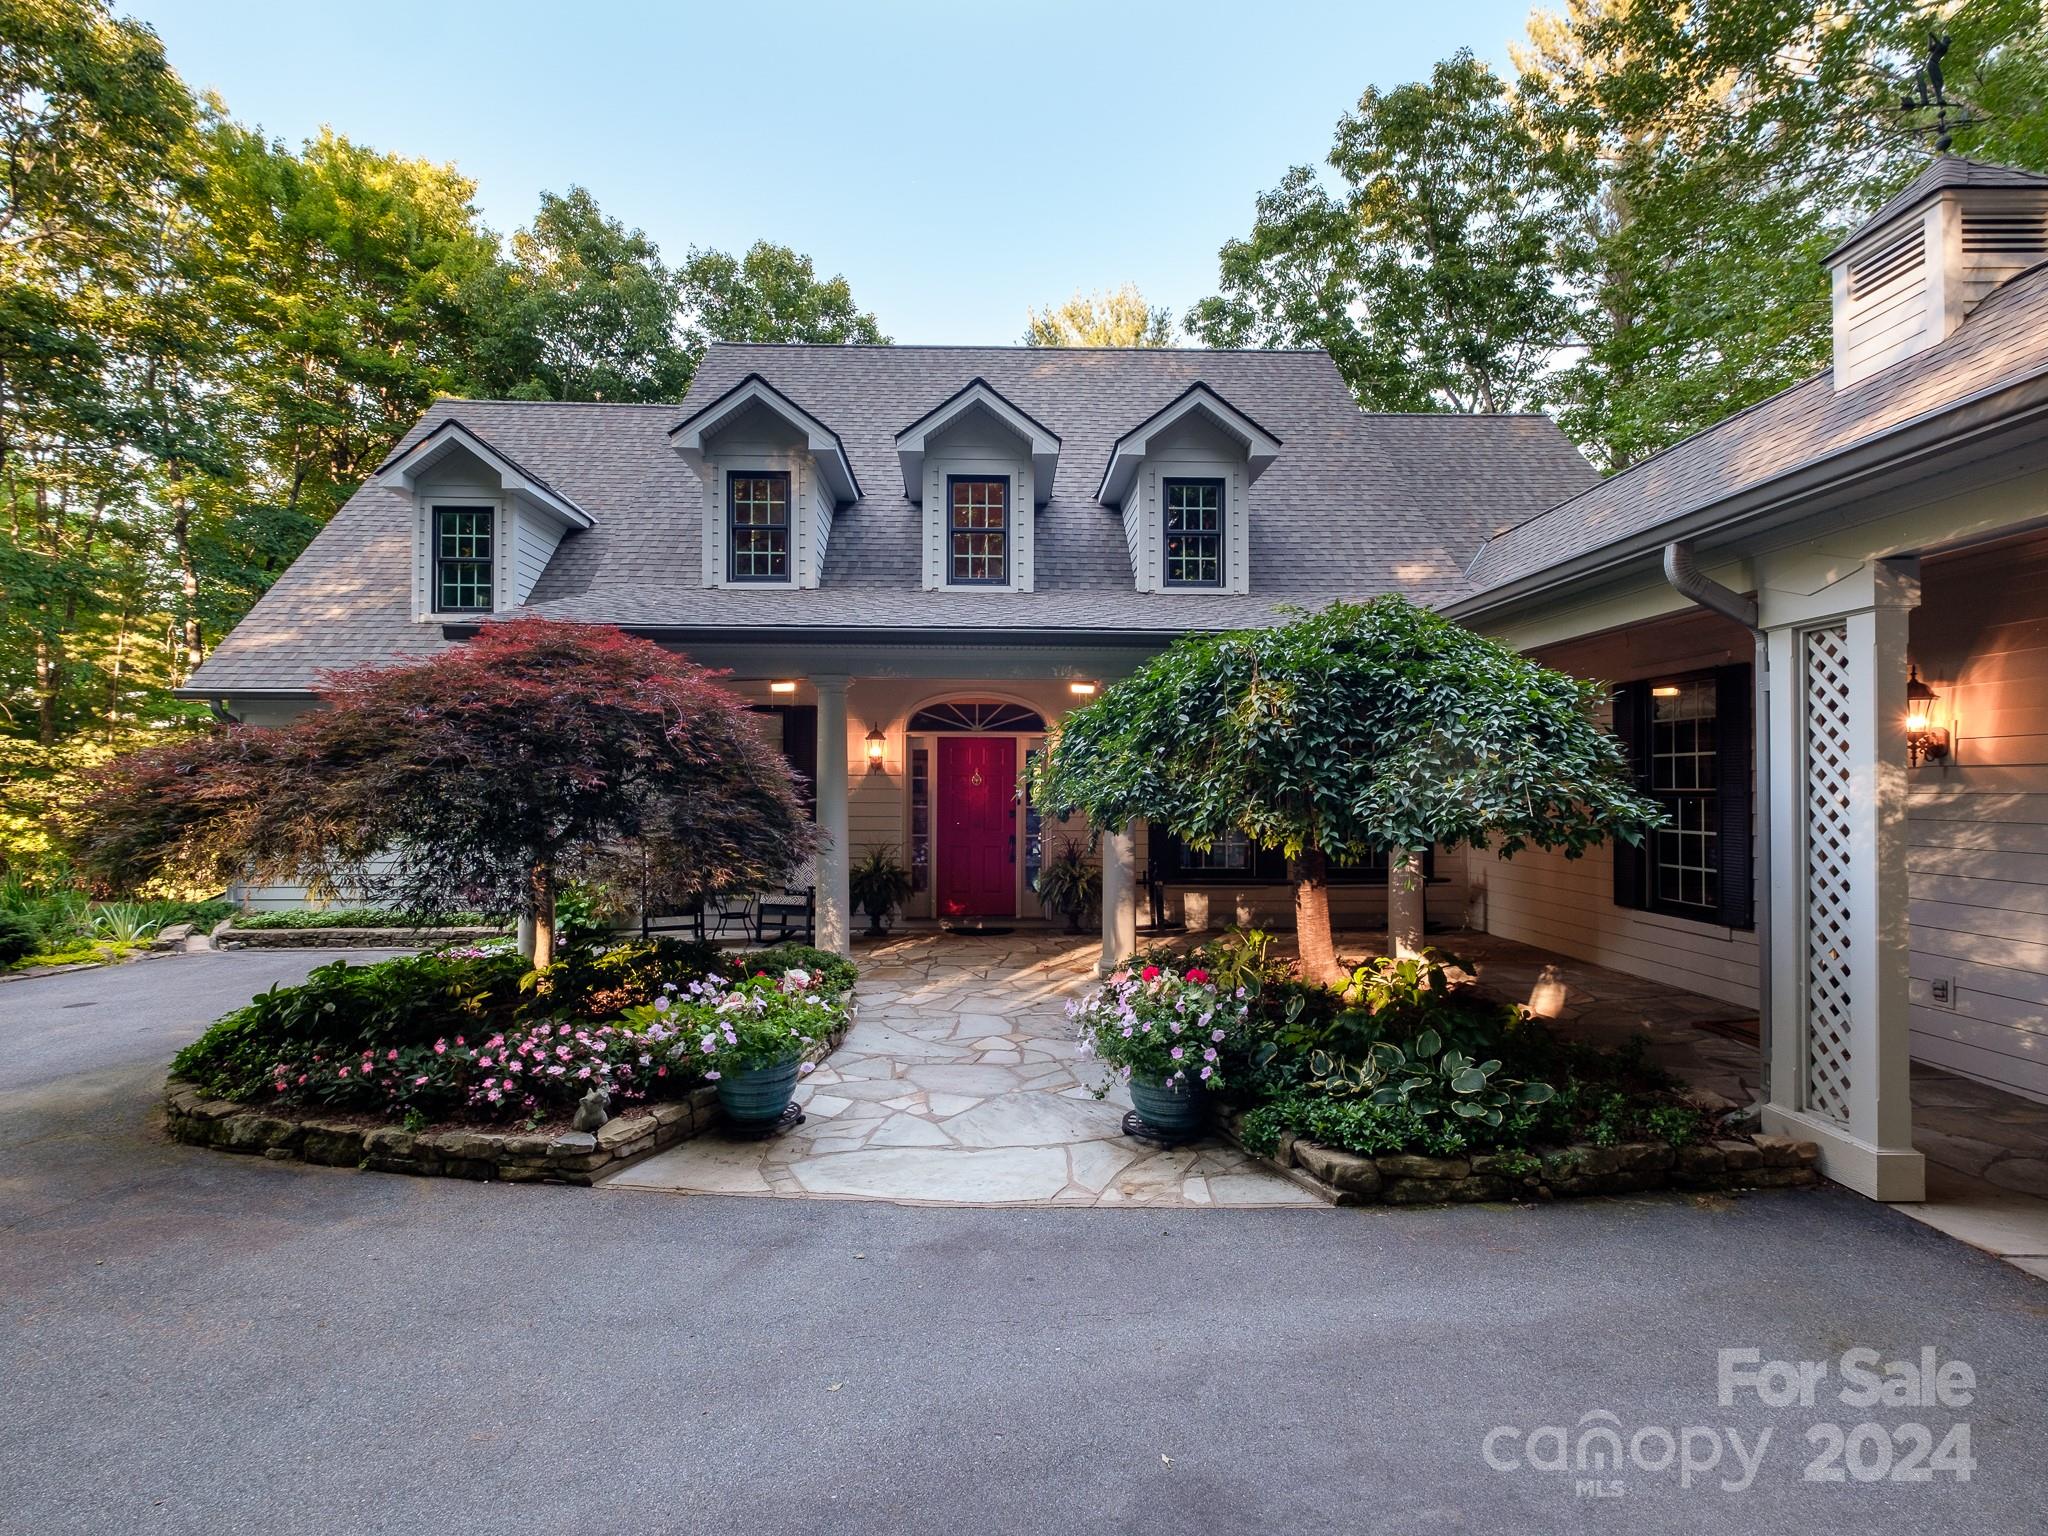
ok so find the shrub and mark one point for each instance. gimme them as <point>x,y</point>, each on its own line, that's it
<point>1352,1125</point>
<point>419,1036</point>
<point>365,917</point>
<point>1165,1025</point>
<point>602,984</point>
<point>19,937</point>
<point>835,973</point>
<point>342,1011</point>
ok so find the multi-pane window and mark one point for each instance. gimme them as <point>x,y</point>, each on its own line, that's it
<point>920,816</point>
<point>977,530</point>
<point>1233,850</point>
<point>463,562</point>
<point>1688,741</point>
<point>1685,777</point>
<point>1194,533</point>
<point>757,526</point>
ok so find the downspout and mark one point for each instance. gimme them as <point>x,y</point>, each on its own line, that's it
<point>1689,582</point>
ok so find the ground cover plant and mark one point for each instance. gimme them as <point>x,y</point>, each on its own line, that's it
<point>53,922</point>
<point>478,1037</point>
<point>1407,1056</point>
<point>365,917</point>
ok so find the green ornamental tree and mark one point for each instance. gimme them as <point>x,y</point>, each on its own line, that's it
<point>480,779</point>
<point>1356,729</point>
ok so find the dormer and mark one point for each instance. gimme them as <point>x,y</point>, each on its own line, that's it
<point>484,526</point>
<point>980,466</point>
<point>1182,479</point>
<point>1916,268</point>
<point>774,477</point>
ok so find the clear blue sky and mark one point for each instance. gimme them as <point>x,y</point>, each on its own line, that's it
<point>957,162</point>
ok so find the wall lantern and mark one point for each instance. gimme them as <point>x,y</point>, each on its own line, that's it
<point>1924,739</point>
<point>876,742</point>
<point>782,687</point>
<point>1083,690</point>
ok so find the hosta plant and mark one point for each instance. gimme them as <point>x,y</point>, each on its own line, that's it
<point>1165,1025</point>
<point>1425,1077</point>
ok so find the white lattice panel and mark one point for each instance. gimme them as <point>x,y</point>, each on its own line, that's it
<point>1830,877</point>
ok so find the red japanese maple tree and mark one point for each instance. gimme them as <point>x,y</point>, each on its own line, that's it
<point>480,778</point>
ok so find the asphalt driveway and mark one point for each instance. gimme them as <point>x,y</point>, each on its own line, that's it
<point>196,1343</point>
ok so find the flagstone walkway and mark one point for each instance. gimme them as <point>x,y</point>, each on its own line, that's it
<point>959,1084</point>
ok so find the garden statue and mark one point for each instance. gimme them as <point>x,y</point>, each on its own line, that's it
<point>590,1111</point>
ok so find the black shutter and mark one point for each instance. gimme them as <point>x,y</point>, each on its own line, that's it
<point>1630,860</point>
<point>1734,730</point>
<point>800,746</point>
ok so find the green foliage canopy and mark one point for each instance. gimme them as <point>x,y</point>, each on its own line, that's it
<point>1348,731</point>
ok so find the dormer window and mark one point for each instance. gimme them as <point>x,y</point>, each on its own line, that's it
<point>1182,479</point>
<point>757,526</point>
<point>1194,533</point>
<point>484,525</point>
<point>774,478</point>
<point>978,529</point>
<point>978,465</point>
<point>464,565</point>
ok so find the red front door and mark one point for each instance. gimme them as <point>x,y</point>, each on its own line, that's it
<point>977,826</point>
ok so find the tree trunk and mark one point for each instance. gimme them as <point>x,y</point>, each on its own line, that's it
<point>541,898</point>
<point>1404,903</point>
<point>1312,919</point>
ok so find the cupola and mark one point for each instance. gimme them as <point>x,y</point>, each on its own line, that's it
<point>1913,271</point>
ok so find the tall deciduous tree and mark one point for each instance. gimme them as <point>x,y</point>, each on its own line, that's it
<point>1354,730</point>
<point>592,308</point>
<point>480,778</point>
<point>771,294</point>
<point>1712,154</point>
<point>1430,279</point>
<point>1115,317</point>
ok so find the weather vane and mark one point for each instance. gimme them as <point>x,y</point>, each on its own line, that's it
<point>1930,93</point>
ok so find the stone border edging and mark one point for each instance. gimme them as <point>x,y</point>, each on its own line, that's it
<point>351,938</point>
<point>574,1157</point>
<point>1347,1178</point>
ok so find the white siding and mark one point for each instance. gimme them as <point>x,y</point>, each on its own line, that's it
<point>1977,829</point>
<point>534,538</point>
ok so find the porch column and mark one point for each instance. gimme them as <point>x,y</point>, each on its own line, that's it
<point>834,901</point>
<point>1119,893</point>
<point>1839,934</point>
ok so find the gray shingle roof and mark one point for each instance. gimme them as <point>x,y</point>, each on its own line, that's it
<point>2004,342</point>
<point>1355,505</point>
<point>1942,173</point>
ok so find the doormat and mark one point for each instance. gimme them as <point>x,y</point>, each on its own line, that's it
<point>977,930</point>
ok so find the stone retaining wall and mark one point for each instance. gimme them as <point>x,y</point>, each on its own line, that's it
<point>1729,1162</point>
<point>574,1157</point>
<point>352,938</point>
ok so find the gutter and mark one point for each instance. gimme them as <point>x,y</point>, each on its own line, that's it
<point>1690,582</point>
<point>929,638</point>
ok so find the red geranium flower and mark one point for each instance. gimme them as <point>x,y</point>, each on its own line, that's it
<point>1150,973</point>
<point>1197,975</point>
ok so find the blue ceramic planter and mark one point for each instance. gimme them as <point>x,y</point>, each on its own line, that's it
<point>759,1095</point>
<point>1178,1110</point>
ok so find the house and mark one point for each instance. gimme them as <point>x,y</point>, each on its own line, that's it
<point>1823,617</point>
<point>925,554</point>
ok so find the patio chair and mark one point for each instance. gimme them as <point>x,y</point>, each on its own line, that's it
<point>790,913</point>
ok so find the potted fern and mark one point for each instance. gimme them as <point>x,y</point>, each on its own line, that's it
<point>1069,884</point>
<point>878,885</point>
